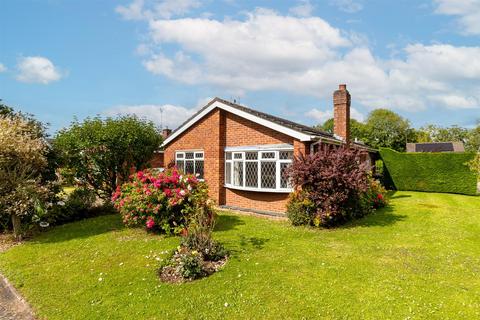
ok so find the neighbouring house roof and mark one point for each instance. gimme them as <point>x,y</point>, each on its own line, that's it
<point>436,147</point>
<point>290,128</point>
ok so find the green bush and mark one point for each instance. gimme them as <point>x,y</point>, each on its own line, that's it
<point>300,210</point>
<point>432,172</point>
<point>78,205</point>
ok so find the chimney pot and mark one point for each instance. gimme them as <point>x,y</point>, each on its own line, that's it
<point>166,132</point>
<point>342,87</point>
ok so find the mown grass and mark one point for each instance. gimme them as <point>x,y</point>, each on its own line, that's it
<point>420,258</point>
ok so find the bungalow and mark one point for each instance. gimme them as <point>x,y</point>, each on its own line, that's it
<point>242,153</point>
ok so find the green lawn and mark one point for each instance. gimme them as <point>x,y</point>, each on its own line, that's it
<point>420,258</point>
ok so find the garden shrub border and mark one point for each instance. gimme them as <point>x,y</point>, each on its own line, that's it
<point>431,172</point>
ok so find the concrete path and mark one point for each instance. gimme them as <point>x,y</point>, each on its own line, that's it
<point>12,305</point>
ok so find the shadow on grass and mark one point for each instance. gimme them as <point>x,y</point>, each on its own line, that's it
<point>81,229</point>
<point>391,195</point>
<point>381,217</point>
<point>255,242</point>
<point>227,222</point>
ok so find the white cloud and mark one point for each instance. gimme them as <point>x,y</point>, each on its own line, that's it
<point>2,68</point>
<point>349,6</point>
<point>167,115</point>
<point>37,70</point>
<point>268,51</point>
<point>319,115</point>
<point>153,9</point>
<point>357,115</point>
<point>467,12</point>
<point>303,9</point>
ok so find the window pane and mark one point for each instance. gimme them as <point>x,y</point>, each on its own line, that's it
<point>251,174</point>
<point>179,155</point>
<point>199,168</point>
<point>284,180</point>
<point>237,156</point>
<point>269,174</point>
<point>189,167</point>
<point>188,155</point>
<point>228,173</point>
<point>228,155</point>
<point>285,155</point>
<point>238,173</point>
<point>198,155</point>
<point>268,155</point>
<point>251,155</point>
<point>180,165</point>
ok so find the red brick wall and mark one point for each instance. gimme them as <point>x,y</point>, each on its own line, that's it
<point>264,201</point>
<point>243,132</point>
<point>157,160</point>
<point>205,135</point>
<point>212,134</point>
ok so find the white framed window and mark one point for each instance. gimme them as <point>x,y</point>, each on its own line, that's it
<point>190,162</point>
<point>258,170</point>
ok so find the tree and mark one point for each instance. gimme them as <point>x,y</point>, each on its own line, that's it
<point>101,153</point>
<point>473,140</point>
<point>385,128</point>
<point>22,161</point>
<point>357,129</point>
<point>433,133</point>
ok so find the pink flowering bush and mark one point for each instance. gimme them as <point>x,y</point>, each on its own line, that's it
<point>162,201</point>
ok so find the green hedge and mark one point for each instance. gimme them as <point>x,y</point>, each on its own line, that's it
<point>432,172</point>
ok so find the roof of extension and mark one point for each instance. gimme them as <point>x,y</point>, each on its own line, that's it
<point>296,130</point>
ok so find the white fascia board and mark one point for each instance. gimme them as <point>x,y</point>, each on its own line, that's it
<point>266,123</point>
<point>263,147</point>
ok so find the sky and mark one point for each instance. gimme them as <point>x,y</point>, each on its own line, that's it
<point>165,59</point>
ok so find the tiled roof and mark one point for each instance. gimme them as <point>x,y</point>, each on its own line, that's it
<point>280,121</point>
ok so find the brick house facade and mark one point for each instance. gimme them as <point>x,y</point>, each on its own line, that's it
<point>241,153</point>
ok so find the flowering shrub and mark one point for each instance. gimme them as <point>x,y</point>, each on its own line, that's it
<point>160,201</point>
<point>332,186</point>
<point>376,195</point>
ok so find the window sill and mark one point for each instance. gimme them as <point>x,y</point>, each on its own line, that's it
<point>229,186</point>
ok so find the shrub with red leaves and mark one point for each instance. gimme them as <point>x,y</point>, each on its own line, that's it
<point>330,184</point>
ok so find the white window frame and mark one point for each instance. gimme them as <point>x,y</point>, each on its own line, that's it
<point>259,161</point>
<point>195,159</point>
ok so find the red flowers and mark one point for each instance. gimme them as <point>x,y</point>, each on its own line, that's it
<point>380,196</point>
<point>157,199</point>
<point>150,223</point>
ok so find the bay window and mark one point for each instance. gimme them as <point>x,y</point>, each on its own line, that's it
<point>258,170</point>
<point>190,162</point>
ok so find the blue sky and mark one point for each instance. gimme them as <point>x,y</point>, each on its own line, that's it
<point>60,59</point>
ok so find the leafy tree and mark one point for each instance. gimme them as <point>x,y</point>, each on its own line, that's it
<point>357,129</point>
<point>473,140</point>
<point>22,161</point>
<point>385,128</point>
<point>433,133</point>
<point>101,153</point>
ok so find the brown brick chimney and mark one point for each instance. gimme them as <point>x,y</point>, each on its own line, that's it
<point>341,113</point>
<point>166,132</point>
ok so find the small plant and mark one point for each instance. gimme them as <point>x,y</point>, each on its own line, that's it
<point>198,254</point>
